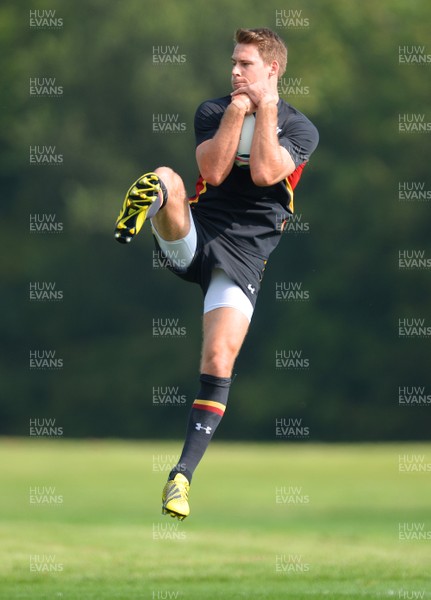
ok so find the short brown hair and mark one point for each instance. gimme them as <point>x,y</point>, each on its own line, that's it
<point>269,44</point>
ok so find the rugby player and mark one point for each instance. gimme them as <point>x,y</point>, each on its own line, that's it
<point>222,237</point>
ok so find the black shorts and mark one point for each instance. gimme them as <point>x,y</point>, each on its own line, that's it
<point>216,250</point>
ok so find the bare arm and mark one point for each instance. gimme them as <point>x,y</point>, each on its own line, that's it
<point>269,161</point>
<point>215,157</point>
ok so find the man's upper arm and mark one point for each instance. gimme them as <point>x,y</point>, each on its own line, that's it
<point>300,138</point>
<point>207,120</point>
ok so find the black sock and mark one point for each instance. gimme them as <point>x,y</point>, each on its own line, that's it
<point>205,415</point>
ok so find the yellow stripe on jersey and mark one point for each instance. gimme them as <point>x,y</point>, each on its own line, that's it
<point>290,190</point>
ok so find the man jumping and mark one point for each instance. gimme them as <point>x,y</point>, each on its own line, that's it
<point>251,148</point>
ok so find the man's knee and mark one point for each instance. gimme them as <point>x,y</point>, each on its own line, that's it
<point>165,172</point>
<point>219,360</point>
<point>172,181</point>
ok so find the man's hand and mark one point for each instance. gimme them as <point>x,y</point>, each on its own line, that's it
<point>259,94</point>
<point>244,102</point>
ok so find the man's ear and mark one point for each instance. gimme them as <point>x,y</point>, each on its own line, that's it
<point>274,69</point>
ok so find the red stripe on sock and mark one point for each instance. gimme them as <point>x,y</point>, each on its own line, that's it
<point>209,408</point>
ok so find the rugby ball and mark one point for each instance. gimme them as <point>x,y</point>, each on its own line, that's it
<point>242,158</point>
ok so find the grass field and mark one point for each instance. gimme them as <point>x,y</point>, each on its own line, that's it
<point>268,521</point>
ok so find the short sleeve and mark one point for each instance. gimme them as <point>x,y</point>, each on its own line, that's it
<point>300,138</point>
<point>207,120</point>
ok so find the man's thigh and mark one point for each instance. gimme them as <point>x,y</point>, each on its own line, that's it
<point>179,253</point>
<point>173,221</point>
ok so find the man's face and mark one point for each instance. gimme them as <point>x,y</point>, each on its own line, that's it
<point>248,66</point>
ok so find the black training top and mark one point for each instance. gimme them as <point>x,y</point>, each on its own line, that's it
<point>252,216</point>
<point>238,223</point>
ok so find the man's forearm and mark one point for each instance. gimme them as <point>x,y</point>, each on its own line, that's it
<point>215,157</point>
<point>269,162</point>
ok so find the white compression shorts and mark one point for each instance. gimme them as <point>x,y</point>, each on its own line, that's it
<point>222,291</point>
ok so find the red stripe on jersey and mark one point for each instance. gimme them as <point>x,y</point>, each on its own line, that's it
<point>296,175</point>
<point>201,188</point>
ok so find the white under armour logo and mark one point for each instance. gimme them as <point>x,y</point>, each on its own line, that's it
<point>207,429</point>
<point>251,288</point>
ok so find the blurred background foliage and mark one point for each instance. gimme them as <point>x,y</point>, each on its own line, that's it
<point>102,56</point>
